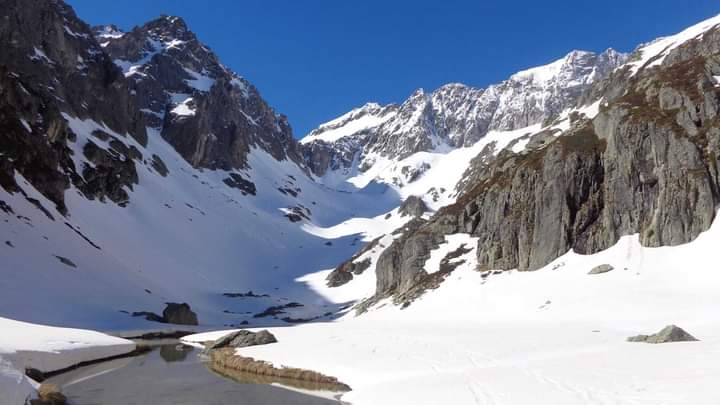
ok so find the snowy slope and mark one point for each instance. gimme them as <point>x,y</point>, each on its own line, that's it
<point>654,53</point>
<point>187,237</point>
<point>557,332</point>
<point>359,120</point>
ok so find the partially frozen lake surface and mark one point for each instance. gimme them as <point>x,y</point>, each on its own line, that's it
<point>172,373</point>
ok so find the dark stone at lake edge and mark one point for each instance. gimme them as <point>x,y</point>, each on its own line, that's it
<point>179,314</point>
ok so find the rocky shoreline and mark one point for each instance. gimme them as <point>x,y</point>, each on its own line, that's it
<point>227,362</point>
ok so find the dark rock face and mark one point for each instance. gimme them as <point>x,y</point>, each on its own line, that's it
<point>670,333</point>
<point>209,114</point>
<point>179,314</point>
<point>242,338</point>
<point>55,69</point>
<point>345,271</point>
<point>401,265</point>
<point>112,171</point>
<point>413,206</point>
<point>647,164</point>
<point>51,64</point>
<point>237,181</point>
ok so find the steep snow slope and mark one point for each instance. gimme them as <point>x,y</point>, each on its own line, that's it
<point>358,121</point>
<point>187,237</point>
<point>654,53</point>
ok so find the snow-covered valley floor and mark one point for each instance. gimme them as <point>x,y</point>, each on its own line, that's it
<point>554,336</point>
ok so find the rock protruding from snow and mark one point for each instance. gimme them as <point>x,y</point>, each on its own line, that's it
<point>413,206</point>
<point>179,314</point>
<point>603,268</point>
<point>670,333</point>
<point>242,338</point>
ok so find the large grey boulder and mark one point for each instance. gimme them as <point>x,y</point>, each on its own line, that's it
<point>180,314</point>
<point>670,333</point>
<point>242,338</point>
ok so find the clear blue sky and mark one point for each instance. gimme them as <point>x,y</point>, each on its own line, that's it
<point>314,60</point>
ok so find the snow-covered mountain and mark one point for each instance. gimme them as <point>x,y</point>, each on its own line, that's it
<point>137,170</point>
<point>453,116</point>
<point>211,115</point>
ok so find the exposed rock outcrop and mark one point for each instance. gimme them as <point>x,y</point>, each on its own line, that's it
<point>51,65</point>
<point>603,268</point>
<point>345,272</point>
<point>179,314</point>
<point>413,206</point>
<point>242,338</point>
<point>647,164</point>
<point>670,333</point>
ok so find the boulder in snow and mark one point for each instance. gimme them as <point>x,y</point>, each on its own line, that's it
<point>413,206</point>
<point>603,268</point>
<point>242,338</point>
<point>670,333</point>
<point>180,314</point>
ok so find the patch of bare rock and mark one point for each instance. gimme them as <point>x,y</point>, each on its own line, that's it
<point>670,333</point>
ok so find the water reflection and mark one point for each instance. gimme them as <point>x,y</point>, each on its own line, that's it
<point>171,373</point>
<point>178,352</point>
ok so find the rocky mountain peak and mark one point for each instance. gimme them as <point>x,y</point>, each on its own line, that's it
<point>458,115</point>
<point>168,25</point>
<point>211,115</point>
<point>107,31</point>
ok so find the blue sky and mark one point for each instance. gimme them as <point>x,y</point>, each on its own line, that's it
<point>314,60</point>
